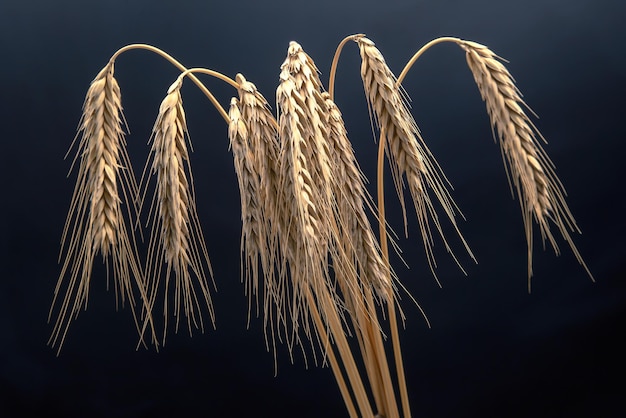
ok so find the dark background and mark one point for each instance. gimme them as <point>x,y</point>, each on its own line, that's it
<point>493,350</point>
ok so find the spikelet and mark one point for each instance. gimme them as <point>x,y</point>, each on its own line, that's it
<point>176,238</point>
<point>95,223</point>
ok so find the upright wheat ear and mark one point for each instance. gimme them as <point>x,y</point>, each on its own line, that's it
<point>176,238</point>
<point>95,223</point>
<point>406,150</point>
<point>306,221</point>
<point>541,195</point>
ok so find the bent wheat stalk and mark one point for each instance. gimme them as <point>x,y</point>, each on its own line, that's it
<point>528,167</point>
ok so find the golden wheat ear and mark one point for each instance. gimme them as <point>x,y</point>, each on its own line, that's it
<point>95,222</point>
<point>176,250</point>
<point>254,142</point>
<point>356,237</point>
<point>407,153</point>
<point>541,194</point>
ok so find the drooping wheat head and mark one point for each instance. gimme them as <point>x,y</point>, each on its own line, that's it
<point>95,222</point>
<point>253,136</point>
<point>176,239</point>
<point>351,198</point>
<point>261,229</point>
<point>306,210</point>
<point>407,153</point>
<point>541,195</point>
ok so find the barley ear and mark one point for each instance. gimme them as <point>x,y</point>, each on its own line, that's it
<point>408,155</point>
<point>176,249</point>
<point>95,223</point>
<point>530,170</point>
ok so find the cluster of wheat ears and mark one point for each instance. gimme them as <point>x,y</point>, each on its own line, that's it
<point>310,257</point>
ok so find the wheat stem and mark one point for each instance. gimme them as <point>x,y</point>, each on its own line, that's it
<point>384,248</point>
<point>333,66</point>
<point>181,67</point>
<point>345,393</point>
<point>419,53</point>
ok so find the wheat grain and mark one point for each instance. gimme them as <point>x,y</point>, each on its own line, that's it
<point>105,180</point>
<point>530,170</point>
<point>176,238</point>
<point>406,150</point>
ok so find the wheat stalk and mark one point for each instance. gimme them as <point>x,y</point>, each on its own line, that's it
<point>541,194</point>
<point>408,154</point>
<point>176,238</point>
<point>95,223</point>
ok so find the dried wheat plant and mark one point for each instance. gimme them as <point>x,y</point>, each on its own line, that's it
<point>310,259</point>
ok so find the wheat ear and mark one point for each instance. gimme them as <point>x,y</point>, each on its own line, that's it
<point>408,154</point>
<point>351,200</point>
<point>305,167</point>
<point>261,227</point>
<point>541,194</point>
<point>254,141</point>
<point>176,238</point>
<point>95,222</point>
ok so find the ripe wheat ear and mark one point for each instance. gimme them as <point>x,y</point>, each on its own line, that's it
<point>530,170</point>
<point>175,238</point>
<point>253,138</point>
<point>407,153</point>
<point>95,222</point>
<point>351,198</point>
<point>306,195</point>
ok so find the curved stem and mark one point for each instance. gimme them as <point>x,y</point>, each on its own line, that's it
<point>419,53</point>
<point>383,232</point>
<point>211,73</point>
<point>181,67</point>
<point>333,66</point>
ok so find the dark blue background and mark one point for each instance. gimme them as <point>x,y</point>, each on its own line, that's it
<point>494,350</point>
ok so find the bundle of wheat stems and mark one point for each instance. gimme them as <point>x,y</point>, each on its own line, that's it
<point>307,245</point>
